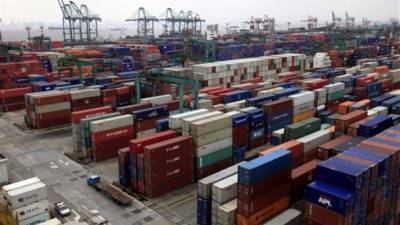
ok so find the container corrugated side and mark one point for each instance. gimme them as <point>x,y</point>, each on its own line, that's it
<point>19,184</point>
<point>225,190</point>
<point>212,147</point>
<point>175,120</point>
<point>36,219</point>
<point>26,195</point>
<point>111,123</point>
<point>31,210</point>
<point>209,125</point>
<point>187,121</point>
<point>212,137</point>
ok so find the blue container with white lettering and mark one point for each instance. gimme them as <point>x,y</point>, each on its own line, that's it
<point>260,100</point>
<point>149,113</point>
<point>257,133</point>
<point>240,119</point>
<point>287,92</point>
<point>330,197</point>
<point>374,89</point>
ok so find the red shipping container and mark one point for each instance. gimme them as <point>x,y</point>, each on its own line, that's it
<point>264,214</point>
<point>126,131</point>
<point>15,92</point>
<point>77,116</point>
<point>248,193</point>
<point>363,81</point>
<point>108,149</point>
<point>12,107</point>
<point>123,155</point>
<point>137,145</point>
<point>51,99</point>
<point>240,136</point>
<point>155,191</point>
<point>303,175</point>
<point>325,216</point>
<point>86,103</point>
<point>54,115</point>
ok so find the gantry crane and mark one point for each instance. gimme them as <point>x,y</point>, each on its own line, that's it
<point>145,22</point>
<point>350,21</point>
<point>312,22</point>
<point>336,21</point>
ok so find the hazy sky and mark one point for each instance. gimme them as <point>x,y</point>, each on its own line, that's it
<point>213,11</point>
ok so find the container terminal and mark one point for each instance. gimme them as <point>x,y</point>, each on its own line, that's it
<point>200,123</point>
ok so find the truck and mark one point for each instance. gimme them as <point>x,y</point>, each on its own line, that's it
<point>109,190</point>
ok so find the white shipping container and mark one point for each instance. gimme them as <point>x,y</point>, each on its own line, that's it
<point>204,104</point>
<point>41,218</point>
<point>302,98</point>
<point>372,113</point>
<point>212,137</point>
<point>212,147</point>
<point>225,190</point>
<point>312,141</point>
<point>86,93</point>
<point>26,195</point>
<point>270,91</point>
<point>20,184</point>
<point>303,108</point>
<point>366,71</point>
<point>52,107</point>
<point>204,186</point>
<point>157,100</point>
<point>227,213</point>
<point>53,221</point>
<point>319,93</point>
<point>209,125</point>
<point>111,123</point>
<point>31,210</point>
<point>175,121</point>
<point>187,121</point>
<point>321,101</point>
<point>288,217</point>
<point>332,88</point>
<point>235,105</point>
<point>381,110</point>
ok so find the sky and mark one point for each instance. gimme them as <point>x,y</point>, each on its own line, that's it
<point>213,11</point>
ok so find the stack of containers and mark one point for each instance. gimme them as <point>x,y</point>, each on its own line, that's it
<point>109,135</point>
<point>222,192</point>
<point>13,99</point>
<point>129,108</point>
<point>256,126</point>
<point>320,96</point>
<point>303,105</point>
<point>85,132</point>
<point>204,194</point>
<point>175,121</point>
<point>185,122</point>
<point>311,142</point>
<point>278,114</point>
<point>27,201</point>
<point>47,109</point>
<point>85,99</point>
<point>213,143</point>
<point>145,119</point>
<point>136,147</point>
<point>375,126</point>
<point>295,147</point>
<point>109,98</point>
<point>76,126</point>
<point>263,187</point>
<point>123,96</point>
<point>344,121</point>
<point>240,132</point>
<point>168,165</point>
<point>335,94</point>
<point>124,167</point>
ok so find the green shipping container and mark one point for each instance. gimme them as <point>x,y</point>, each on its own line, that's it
<point>214,157</point>
<point>336,95</point>
<point>302,128</point>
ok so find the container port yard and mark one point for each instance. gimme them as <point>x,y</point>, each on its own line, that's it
<point>187,122</point>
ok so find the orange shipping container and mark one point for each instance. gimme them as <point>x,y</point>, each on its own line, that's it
<point>381,69</point>
<point>303,116</point>
<point>265,214</point>
<point>344,107</point>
